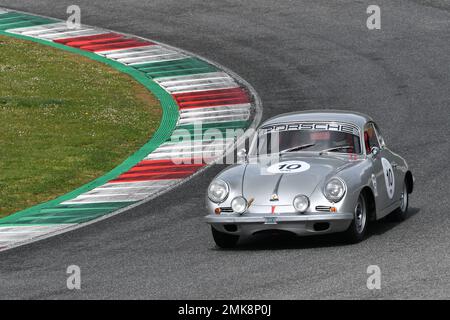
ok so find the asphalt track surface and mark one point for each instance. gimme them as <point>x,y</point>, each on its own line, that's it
<point>298,55</point>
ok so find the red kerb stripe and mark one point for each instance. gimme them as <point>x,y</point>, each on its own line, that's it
<point>149,177</point>
<point>87,38</point>
<point>164,169</point>
<point>126,44</point>
<point>81,43</point>
<point>211,98</point>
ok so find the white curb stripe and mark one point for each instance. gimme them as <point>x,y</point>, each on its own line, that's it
<point>184,145</point>
<point>205,87</point>
<point>122,192</point>
<point>127,190</point>
<point>215,117</point>
<point>130,197</point>
<point>197,82</point>
<point>148,58</point>
<point>38,29</point>
<point>148,184</point>
<point>219,85</point>
<point>208,139</point>
<point>169,57</point>
<point>151,54</point>
<point>224,108</point>
<point>14,234</point>
<point>138,52</point>
<point>193,77</point>
<point>163,55</point>
<point>71,34</point>
<point>68,33</point>
<point>206,152</point>
<point>122,53</point>
<point>54,31</point>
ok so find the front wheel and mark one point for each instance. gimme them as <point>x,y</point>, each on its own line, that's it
<point>224,240</point>
<point>355,233</point>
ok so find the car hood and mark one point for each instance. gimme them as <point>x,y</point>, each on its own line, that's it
<point>262,180</point>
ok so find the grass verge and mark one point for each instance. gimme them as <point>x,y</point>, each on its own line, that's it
<point>65,120</point>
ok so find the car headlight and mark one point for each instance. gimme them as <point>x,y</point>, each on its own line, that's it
<point>334,190</point>
<point>301,203</point>
<point>239,204</point>
<point>218,191</point>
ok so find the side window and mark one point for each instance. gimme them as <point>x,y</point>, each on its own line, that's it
<point>380,137</point>
<point>370,137</point>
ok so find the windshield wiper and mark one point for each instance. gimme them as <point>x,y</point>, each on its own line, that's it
<point>335,148</point>
<point>297,148</point>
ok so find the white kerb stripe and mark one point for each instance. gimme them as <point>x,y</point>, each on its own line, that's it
<point>14,234</point>
<point>224,108</point>
<point>107,198</point>
<point>122,53</point>
<point>160,58</point>
<point>198,82</point>
<point>194,77</point>
<point>72,34</point>
<point>62,30</point>
<point>190,145</point>
<point>155,183</point>
<point>147,56</point>
<point>37,29</point>
<point>121,192</point>
<point>215,119</point>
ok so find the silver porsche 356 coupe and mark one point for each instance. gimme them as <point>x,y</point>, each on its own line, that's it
<point>308,173</point>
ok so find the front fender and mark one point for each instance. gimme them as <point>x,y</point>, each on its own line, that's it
<point>356,177</point>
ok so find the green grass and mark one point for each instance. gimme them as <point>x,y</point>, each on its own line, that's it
<point>64,121</point>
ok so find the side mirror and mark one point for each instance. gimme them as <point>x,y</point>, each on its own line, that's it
<point>242,155</point>
<point>374,151</point>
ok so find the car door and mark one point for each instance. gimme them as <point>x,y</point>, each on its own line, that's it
<point>383,174</point>
<point>394,180</point>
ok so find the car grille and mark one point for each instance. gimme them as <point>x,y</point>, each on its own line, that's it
<point>226,209</point>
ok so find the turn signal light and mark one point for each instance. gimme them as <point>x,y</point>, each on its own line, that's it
<point>333,209</point>
<point>217,211</point>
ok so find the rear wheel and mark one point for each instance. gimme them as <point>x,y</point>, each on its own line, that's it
<point>400,213</point>
<point>224,240</point>
<point>355,233</point>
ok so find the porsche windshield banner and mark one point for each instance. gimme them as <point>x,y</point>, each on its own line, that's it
<point>318,126</point>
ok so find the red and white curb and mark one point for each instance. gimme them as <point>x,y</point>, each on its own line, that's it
<point>205,92</point>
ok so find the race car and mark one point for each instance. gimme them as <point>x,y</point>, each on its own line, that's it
<point>310,173</point>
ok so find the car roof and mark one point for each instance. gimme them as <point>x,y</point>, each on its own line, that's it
<point>353,117</point>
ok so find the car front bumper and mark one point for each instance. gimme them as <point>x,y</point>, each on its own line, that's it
<point>302,225</point>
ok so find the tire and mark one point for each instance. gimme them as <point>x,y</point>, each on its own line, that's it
<point>357,229</point>
<point>224,240</point>
<point>401,212</point>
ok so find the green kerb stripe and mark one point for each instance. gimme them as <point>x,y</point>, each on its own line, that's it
<point>12,21</point>
<point>66,214</point>
<point>179,67</point>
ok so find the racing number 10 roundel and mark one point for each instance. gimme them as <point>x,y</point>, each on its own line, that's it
<point>388,177</point>
<point>289,167</point>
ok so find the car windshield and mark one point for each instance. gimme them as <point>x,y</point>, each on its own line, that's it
<point>299,138</point>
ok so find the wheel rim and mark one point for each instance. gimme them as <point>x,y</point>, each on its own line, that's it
<point>404,199</point>
<point>360,215</point>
